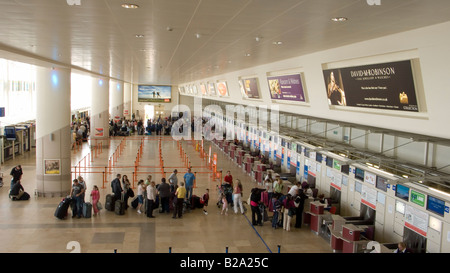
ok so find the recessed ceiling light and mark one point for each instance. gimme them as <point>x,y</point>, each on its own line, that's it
<point>278,43</point>
<point>257,38</point>
<point>129,6</point>
<point>197,35</point>
<point>339,19</point>
<point>247,55</point>
<point>139,36</point>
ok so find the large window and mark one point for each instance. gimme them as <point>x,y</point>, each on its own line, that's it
<point>17,91</point>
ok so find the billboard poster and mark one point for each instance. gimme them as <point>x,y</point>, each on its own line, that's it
<point>203,89</point>
<point>222,89</point>
<point>154,93</point>
<point>212,89</point>
<point>288,87</point>
<point>388,86</point>
<point>249,88</point>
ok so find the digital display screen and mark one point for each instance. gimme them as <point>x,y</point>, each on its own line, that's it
<point>299,149</point>
<point>318,157</point>
<point>381,183</point>
<point>329,161</point>
<point>435,205</point>
<point>402,192</point>
<point>359,174</point>
<point>345,169</point>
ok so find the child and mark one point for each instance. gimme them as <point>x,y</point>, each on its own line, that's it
<point>95,195</point>
<point>140,195</point>
<point>276,210</point>
<point>204,200</point>
<point>225,204</point>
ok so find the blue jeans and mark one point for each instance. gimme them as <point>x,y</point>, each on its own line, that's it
<point>77,206</point>
<point>189,190</point>
<point>275,219</point>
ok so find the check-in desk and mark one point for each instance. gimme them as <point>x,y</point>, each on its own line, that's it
<point>226,146</point>
<point>347,237</point>
<point>316,212</point>
<point>232,150</point>
<point>249,161</point>
<point>240,156</point>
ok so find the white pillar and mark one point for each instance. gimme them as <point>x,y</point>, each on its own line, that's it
<point>116,100</point>
<point>127,100</point>
<point>53,137</point>
<point>100,112</point>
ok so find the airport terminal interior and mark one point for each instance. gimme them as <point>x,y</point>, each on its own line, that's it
<point>341,102</point>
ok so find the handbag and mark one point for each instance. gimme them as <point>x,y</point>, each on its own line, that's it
<point>130,192</point>
<point>291,211</point>
<point>99,205</point>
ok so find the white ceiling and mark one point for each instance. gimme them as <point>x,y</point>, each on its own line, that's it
<point>99,36</point>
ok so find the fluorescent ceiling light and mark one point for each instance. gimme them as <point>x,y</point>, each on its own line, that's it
<point>129,6</point>
<point>339,19</point>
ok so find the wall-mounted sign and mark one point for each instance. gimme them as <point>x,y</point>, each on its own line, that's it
<point>287,87</point>
<point>387,86</point>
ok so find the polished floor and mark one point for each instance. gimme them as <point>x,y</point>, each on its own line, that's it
<point>30,226</point>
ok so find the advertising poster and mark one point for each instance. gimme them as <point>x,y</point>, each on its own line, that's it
<point>336,180</point>
<point>287,87</point>
<point>154,93</point>
<point>222,89</point>
<point>388,86</point>
<point>370,178</point>
<point>369,196</point>
<point>211,89</point>
<point>249,88</point>
<point>416,220</point>
<point>203,89</point>
<point>98,132</point>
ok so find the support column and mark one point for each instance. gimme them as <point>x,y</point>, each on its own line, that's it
<point>127,111</point>
<point>116,100</point>
<point>53,137</point>
<point>100,112</point>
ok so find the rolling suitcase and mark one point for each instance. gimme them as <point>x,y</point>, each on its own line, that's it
<point>119,206</point>
<point>63,207</point>
<point>87,210</point>
<point>135,203</point>
<point>109,203</point>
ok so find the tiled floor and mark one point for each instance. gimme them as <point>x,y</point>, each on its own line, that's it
<point>30,226</point>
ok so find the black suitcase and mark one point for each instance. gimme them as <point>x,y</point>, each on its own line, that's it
<point>195,202</point>
<point>119,206</point>
<point>135,203</point>
<point>109,203</point>
<point>63,207</point>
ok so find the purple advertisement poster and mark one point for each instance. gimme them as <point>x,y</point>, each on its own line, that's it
<point>249,88</point>
<point>287,87</point>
